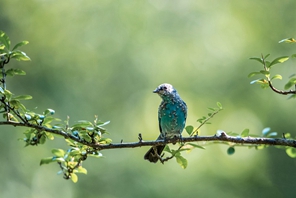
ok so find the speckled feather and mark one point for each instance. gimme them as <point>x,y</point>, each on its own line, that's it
<point>172,114</point>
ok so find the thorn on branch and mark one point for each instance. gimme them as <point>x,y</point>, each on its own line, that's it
<point>140,137</point>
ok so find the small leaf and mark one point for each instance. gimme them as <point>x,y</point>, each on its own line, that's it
<point>12,72</point>
<point>219,105</point>
<point>80,169</point>
<point>58,152</point>
<point>20,56</point>
<point>245,133</point>
<point>196,146</point>
<point>4,39</point>
<point>253,74</point>
<point>291,83</point>
<point>181,161</point>
<point>47,160</point>
<point>265,57</point>
<point>20,44</point>
<point>189,129</point>
<point>279,60</point>
<point>257,59</point>
<point>230,151</point>
<point>277,76</point>
<point>288,40</point>
<point>22,97</point>
<point>167,149</point>
<point>264,72</point>
<point>105,141</point>
<point>291,152</point>
<point>74,177</point>
<point>293,56</point>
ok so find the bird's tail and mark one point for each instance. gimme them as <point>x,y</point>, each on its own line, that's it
<point>151,156</point>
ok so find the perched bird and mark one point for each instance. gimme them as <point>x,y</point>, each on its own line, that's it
<point>172,113</point>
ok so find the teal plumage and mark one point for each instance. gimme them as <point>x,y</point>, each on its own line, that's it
<point>172,114</point>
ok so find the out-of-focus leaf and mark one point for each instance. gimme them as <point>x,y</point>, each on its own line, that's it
<point>277,76</point>
<point>265,131</point>
<point>253,74</point>
<point>291,83</point>
<point>58,152</point>
<point>181,161</point>
<point>47,160</point>
<point>22,97</point>
<point>288,40</point>
<point>105,141</point>
<point>80,169</point>
<point>264,72</point>
<point>257,59</point>
<point>245,133</point>
<point>4,39</point>
<point>12,72</point>
<point>196,146</point>
<point>20,56</point>
<point>291,152</point>
<point>219,105</point>
<point>279,60</point>
<point>74,178</point>
<point>20,44</point>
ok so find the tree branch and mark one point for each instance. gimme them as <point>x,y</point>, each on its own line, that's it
<point>223,137</point>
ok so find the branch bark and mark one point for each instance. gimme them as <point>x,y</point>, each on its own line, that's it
<point>223,137</point>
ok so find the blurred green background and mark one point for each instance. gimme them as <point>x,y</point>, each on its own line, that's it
<point>104,58</point>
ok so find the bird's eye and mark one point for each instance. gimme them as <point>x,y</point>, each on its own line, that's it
<point>165,88</point>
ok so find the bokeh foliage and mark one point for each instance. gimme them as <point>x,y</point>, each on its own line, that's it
<point>105,58</point>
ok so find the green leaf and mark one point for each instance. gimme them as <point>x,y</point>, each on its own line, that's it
<point>264,72</point>
<point>265,57</point>
<point>196,146</point>
<point>288,40</point>
<point>265,131</point>
<point>20,44</point>
<point>42,139</point>
<point>80,169</point>
<point>253,74</point>
<point>49,135</point>
<point>49,111</point>
<point>279,60</point>
<point>12,72</point>
<point>291,152</point>
<point>82,124</point>
<point>105,141</point>
<point>230,151</point>
<point>58,152</point>
<point>219,105</point>
<point>277,76</point>
<point>167,149</point>
<point>22,97</point>
<point>4,39</point>
<point>245,133</point>
<point>189,129</point>
<point>257,59</point>
<point>20,56</point>
<point>291,83</point>
<point>74,177</point>
<point>181,161</point>
<point>293,56</point>
<point>47,160</point>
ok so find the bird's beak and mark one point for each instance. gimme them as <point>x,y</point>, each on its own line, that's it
<point>156,90</point>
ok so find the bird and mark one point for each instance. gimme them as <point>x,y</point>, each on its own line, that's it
<point>172,114</point>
